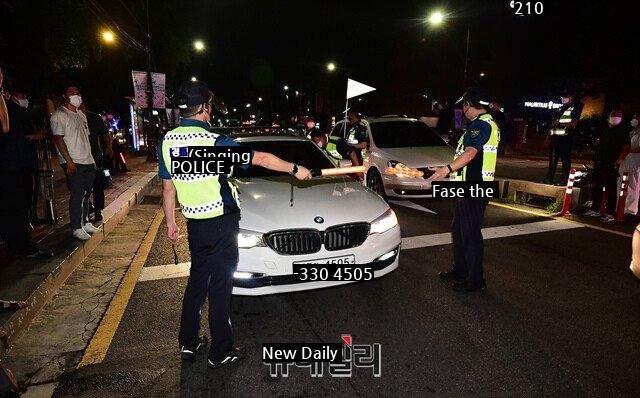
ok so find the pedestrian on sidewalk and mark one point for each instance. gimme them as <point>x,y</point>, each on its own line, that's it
<point>609,148</point>
<point>16,174</point>
<point>210,205</point>
<point>100,148</point>
<point>71,134</point>
<point>560,137</point>
<point>631,164</point>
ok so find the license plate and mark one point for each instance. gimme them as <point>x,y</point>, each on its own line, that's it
<point>350,259</point>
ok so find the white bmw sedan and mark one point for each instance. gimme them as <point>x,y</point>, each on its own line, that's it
<point>326,220</point>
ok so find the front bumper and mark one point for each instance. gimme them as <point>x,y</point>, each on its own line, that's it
<point>273,273</point>
<point>401,187</point>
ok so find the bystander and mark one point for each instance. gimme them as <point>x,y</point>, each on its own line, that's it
<point>71,134</point>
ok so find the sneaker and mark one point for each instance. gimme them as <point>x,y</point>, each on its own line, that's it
<point>591,213</point>
<point>188,352</point>
<point>607,218</point>
<point>89,228</point>
<point>231,357</point>
<point>81,234</point>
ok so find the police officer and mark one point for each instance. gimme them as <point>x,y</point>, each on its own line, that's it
<point>475,160</point>
<point>336,147</point>
<point>561,137</point>
<point>210,204</point>
<point>357,135</point>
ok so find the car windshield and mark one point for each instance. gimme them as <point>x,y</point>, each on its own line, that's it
<point>403,134</point>
<point>304,153</point>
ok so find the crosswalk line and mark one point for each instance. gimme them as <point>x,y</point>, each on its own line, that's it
<point>181,270</point>
<point>416,242</point>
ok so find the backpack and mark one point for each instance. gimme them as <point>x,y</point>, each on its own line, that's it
<point>8,383</point>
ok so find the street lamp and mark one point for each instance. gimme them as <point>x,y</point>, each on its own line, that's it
<point>248,106</point>
<point>436,18</point>
<point>108,36</point>
<point>286,88</point>
<point>481,74</point>
<point>331,66</point>
<point>198,45</point>
<point>194,79</point>
<point>259,99</point>
<point>235,109</point>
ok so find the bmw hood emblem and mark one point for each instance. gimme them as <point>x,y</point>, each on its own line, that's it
<point>318,220</point>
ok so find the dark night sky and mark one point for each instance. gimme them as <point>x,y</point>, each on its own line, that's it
<point>254,46</point>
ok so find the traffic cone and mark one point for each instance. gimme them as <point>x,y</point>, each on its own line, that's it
<point>622,197</point>
<point>568,196</point>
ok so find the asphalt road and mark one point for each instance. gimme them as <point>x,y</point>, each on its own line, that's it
<point>560,317</point>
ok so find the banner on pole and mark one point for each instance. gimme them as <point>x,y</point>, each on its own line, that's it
<point>355,88</point>
<point>140,89</point>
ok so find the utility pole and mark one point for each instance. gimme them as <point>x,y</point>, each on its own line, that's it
<point>466,59</point>
<point>152,131</point>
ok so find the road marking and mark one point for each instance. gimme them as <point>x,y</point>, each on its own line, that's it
<point>562,219</point>
<point>412,205</point>
<point>181,270</point>
<point>416,242</point>
<point>167,271</point>
<point>99,345</point>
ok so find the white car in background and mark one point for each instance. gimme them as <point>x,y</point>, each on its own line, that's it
<point>399,155</point>
<point>326,220</point>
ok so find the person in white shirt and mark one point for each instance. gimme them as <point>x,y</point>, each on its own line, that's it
<point>71,135</point>
<point>631,165</point>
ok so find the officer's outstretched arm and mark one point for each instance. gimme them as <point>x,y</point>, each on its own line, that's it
<point>460,162</point>
<point>272,162</point>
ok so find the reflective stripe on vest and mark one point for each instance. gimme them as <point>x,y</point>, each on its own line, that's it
<point>332,150</point>
<point>489,153</point>
<point>199,194</point>
<point>564,119</point>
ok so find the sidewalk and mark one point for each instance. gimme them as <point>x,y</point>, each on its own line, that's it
<point>37,280</point>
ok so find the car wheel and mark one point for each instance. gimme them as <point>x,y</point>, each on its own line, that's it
<point>374,182</point>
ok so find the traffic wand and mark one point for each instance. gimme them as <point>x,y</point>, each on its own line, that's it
<point>337,171</point>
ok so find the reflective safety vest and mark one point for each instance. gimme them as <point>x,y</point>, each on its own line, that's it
<point>332,150</point>
<point>489,153</point>
<point>199,194</point>
<point>564,119</point>
<point>351,138</point>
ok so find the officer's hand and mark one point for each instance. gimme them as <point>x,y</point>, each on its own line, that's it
<point>440,173</point>
<point>71,167</point>
<point>173,232</point>
<point>303,173</point>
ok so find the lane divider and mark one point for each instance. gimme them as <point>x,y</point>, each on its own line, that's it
<point>101,340</point>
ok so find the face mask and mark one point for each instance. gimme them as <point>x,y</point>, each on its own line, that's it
<point>615,120</point>
<point>565,100</point>
<point>634,122</point>
<point>75,100</point>
<point>23,103</point>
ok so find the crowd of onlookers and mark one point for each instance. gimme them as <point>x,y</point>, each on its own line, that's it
<point>84,148</point>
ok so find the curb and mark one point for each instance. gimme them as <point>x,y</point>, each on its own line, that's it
<point>112,214</point>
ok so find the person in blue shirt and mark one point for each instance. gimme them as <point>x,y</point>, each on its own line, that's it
<point>212,233</point>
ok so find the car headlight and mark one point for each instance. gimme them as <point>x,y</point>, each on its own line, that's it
<point>384,223</point>
<point>248,239</point>
<point>401,170</point>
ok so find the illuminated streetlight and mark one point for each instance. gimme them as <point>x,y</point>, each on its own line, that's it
<point>286,88</point>
<point>297,93</point>
<point>482,74</point>
<point>259,99</point>
<point>436,18</point>
<point>331,66</point>
<point>194,79</point>
<point>248,106</point>
<point>235,109</point>
<point>108,36</point>
<point>198,45</point>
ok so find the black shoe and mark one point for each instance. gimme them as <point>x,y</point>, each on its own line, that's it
<point>450,275</point>
<point>467,286</point>
<point>188,352</point>
<point>231,357</point>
